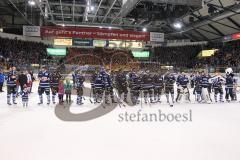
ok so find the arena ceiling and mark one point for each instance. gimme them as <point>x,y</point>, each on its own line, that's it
<point>201,20</point>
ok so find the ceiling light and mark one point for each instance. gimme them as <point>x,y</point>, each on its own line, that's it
<point>177,25</point>
<point>31,2</point>
<point>144,29</point>
<point>92,8</point>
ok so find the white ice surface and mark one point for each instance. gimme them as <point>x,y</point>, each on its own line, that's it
<point>36,133</point>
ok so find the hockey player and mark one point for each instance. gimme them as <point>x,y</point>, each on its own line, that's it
<point>134,85</point>
<point>79,86</point>
<point>230,83</point>
<point>73,78</point>
<point>44,85</point>
<point>121,84</point>
<point>192,77</point>
<point>98,86</point>
<point>217,83</point>
<point>182,82</point>
<point>147,86</point>
<point>169,80</point>
<point>54,82</point>
<point>204,82</point>
<point>108,86</point>
<point>11,86</point>
<point>158,84</point>
<point>198,88</point>
<point>178,87</point>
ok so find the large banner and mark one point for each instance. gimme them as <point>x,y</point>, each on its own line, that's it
<point>33,31</point>
<point>156,37</point>
<point>236,36</point>
<point>94,33</point>
<point>231,37</point>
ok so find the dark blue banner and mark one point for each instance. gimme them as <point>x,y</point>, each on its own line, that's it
<point>82,42</point>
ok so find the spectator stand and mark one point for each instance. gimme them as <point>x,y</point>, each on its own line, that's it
<point>121,60</point>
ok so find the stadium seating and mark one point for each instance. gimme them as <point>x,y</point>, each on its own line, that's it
<point>18,52</point>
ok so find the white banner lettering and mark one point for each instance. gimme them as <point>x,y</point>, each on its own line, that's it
<point>33,31</point>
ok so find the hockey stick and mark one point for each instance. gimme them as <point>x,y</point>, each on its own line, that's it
<point>170,103</point>
<point>150,105</point>
<point>90,97</point>
<point>119,98</point>
<point>141,98</point>
<point>120,103</point>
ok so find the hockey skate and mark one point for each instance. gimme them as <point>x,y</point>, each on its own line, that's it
<point>39,103</point>
<point>107,102</point>
<point>113,100</point>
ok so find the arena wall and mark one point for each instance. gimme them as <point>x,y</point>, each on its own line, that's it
<point>25,38</point>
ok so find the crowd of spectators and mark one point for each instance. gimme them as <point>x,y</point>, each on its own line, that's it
<point>227,55</point>
<point>20,52</point>
<point>178,56</point>
<point>98,55</point>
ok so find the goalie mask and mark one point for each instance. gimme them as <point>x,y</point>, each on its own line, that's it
<point>229,71</point>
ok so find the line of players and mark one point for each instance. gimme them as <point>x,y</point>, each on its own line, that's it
<point>48,83</point>
<point>13,84</point>
<point>152,85</point>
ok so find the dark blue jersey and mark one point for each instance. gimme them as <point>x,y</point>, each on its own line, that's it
<point>24,95</point>
<point>197,80</point>
<point>217,82</point>
<point>12,79</point>
<point>183,81</point>
<point>73,76</point>
<point>134,80</point>
<point>146,81</point>
<point>169,80</point>
<point>54,79</point>
<point>107,80</point>
<point>44,79</point>
<point>121,80</point>
<point>158,81</point>
<point>204,82</point>
<point>178,79</point>
<point>93,79</point>
<point>79,80</point>
<point>99,82</point>
<point>230,81</point>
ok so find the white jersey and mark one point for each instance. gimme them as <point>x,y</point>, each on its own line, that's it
<point>29,78</point>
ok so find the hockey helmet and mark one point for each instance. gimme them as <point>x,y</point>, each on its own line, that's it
<point>229,71</point>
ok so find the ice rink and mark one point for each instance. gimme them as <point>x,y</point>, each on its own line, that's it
<point>35,133</point>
